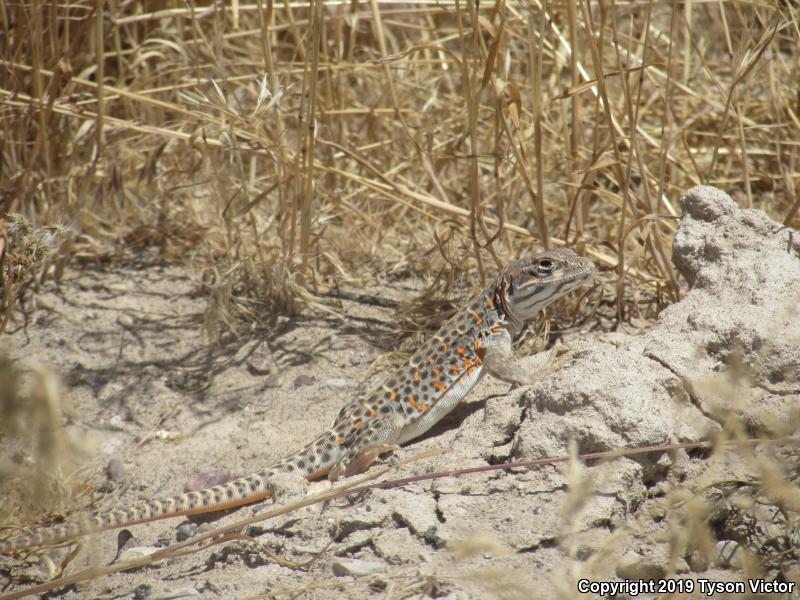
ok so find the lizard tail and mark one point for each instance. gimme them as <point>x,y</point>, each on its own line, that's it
<point>312,462</point>
<point>245,490</point>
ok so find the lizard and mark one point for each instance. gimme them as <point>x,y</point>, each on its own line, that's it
<point>475,341</point>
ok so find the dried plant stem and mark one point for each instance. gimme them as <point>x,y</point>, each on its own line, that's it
<point>537,54</point>
<point>310,145</point>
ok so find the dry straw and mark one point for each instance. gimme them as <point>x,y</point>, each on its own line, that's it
<point>291,147</point>
<point>283,149</point>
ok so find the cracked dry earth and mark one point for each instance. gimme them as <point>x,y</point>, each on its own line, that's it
<point>151,407</point>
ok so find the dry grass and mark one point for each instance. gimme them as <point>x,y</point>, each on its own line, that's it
<point>284,149</point>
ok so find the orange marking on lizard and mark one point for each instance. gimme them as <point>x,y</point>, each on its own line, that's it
<point>444,346</point>
<point>358,424</point>
<point>495,328</point>
<point>439,385</point>
<point>420,406</point>
<point>416,376</point>
<point>490,303</point>
<point>461,351</point>
<point>436,371</point>
<point>393,395</point>
<point>475,316</point>
<point>373,412</point>
<point>454,369</point>
<point>340,439</point>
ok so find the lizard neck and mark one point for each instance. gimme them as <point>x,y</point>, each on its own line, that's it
<point>498,310</point>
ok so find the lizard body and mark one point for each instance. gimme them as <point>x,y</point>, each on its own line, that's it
<point>476,340</point>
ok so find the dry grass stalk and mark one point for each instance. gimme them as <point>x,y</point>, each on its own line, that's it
<point>107,114</point>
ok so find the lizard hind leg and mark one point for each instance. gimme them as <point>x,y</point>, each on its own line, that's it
<point>378,437</point>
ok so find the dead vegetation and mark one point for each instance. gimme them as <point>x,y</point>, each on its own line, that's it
<point>283,149</point>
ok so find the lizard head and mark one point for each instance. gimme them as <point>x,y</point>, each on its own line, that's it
<point>531,283</point>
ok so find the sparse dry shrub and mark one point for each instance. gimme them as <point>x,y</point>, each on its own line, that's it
<point>290,147</point>
<point>37,454</point>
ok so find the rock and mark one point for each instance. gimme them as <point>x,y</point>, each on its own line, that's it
<point>260,360</point>
<point>302,380</point>
<point>734,339</point>
<point>730,345</point>
<point>115,470</point>
<point>727,554</point>
<point>342,567</point>
<point>185,531</point>
<point>336,383</point>
<point>137,552</point>
<point>142,592</point>
<point>413,510</point>
<point>363,517</point>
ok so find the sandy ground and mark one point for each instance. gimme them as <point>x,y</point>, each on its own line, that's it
<point>148,395</point>
<point>151,406</point>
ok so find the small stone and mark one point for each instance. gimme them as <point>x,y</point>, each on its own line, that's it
<point>185,531</point>
<point>260,361</point>
<point>727,554</point>
<point>115,470</point>
<point>302,380</point>
<point>354,567</point>
<point>141,592</point>
<point>177,380</point>
<point>136,553</point>
<point>336,383</point>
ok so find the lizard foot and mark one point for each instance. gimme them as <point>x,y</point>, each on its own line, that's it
<point>357,462</point>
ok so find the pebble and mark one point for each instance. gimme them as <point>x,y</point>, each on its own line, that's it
<point>336,383</point>
<point>115,470</point>
<point>260,361</point>
<point>136,553</point>
<point>726,554</point>
<point>185,531</point>
<point>355,567</point>
<point>142,592</point>
<point>302,380</point>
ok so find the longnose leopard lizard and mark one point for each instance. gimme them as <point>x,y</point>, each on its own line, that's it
<point>475,341</point>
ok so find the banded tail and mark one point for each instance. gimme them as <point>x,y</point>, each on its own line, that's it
<point>238,492</point>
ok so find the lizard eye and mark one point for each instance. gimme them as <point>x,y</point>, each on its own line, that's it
<point>546,266</point>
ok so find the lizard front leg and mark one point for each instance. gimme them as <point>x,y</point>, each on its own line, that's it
<point>500,362</point>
